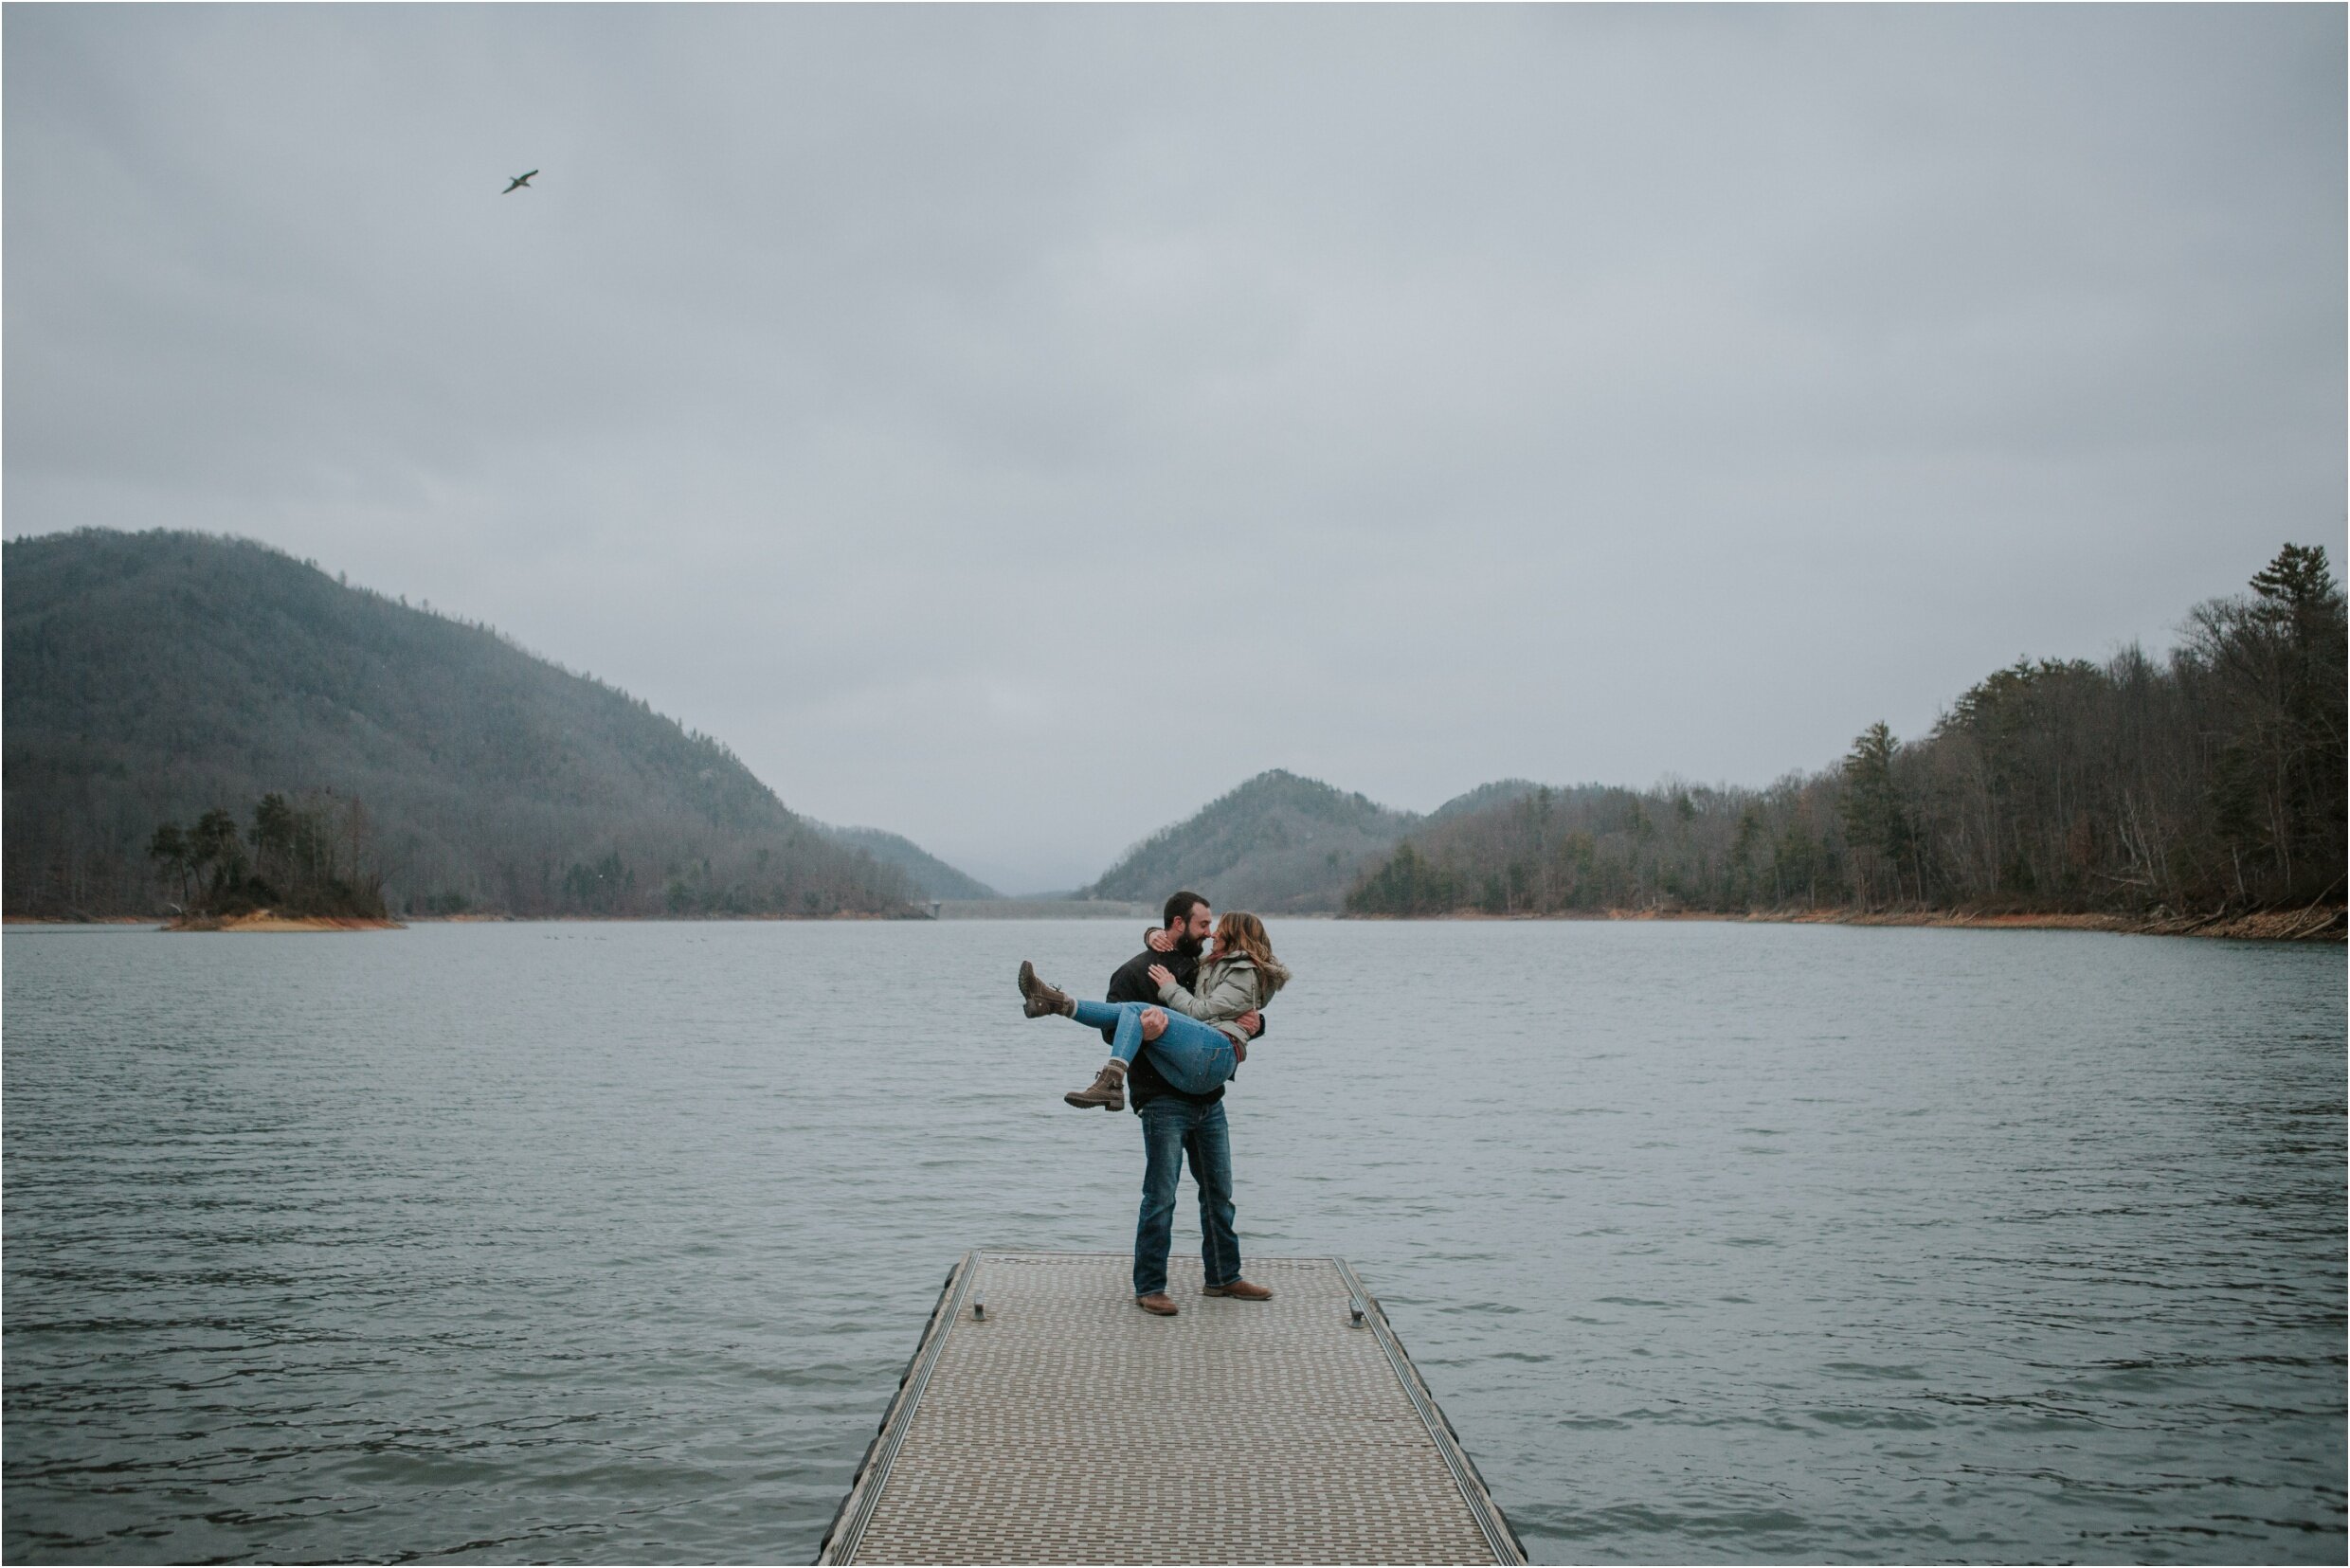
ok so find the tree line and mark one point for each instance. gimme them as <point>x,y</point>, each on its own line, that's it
<point>2208,781</point>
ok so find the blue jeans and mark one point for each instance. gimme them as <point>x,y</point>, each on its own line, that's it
<point>1173,1129</point>
<point>1192,1056</point>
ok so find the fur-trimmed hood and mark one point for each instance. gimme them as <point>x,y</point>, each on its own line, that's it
<point>1276,974</point>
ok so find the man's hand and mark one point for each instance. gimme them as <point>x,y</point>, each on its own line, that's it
<point>1159,940</point>
<point>1154,1023</point>
<point>1161,976</point>
<point>1253,1021</point>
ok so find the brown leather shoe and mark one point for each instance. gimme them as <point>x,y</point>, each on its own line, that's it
<point>1240,1290</point>
<point>1157,1302</point>
<point>1108,1089</point>
<point>1038,999</point>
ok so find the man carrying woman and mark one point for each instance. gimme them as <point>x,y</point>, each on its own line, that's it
<point>1178,1026</point>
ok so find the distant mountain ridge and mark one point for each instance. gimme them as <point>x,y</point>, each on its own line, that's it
<point>932,876</point>
<point>1278,845</point>
<point>153,676</point>
<point>1485,797</point>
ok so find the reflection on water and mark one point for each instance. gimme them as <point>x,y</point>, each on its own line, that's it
<point>609,1242</point>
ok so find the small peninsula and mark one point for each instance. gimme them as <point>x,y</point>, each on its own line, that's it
<point>306,865</point>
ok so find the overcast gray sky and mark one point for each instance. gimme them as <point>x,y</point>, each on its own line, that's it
<point>1013,427</point>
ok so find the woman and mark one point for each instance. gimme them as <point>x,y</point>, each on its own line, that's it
<point>1194,1049</point>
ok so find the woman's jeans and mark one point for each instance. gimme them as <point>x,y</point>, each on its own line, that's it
<point>1173,1129</point>
<point>1189,1054</point>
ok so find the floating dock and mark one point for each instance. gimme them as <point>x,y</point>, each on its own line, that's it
<point>1046,1418</point>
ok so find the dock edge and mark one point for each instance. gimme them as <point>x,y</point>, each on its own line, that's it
<point>1492,1523</point>
<point>855,1510</point>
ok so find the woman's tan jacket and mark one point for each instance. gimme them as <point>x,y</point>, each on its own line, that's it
<point>1223,989</point>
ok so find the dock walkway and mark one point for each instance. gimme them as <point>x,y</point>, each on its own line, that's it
<point>1044,1419</point>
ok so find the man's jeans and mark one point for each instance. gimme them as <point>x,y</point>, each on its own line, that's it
<point>1189,1054</point>
<point>1173,1129</point>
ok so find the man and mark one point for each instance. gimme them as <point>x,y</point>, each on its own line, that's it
<point>1177,1126</point>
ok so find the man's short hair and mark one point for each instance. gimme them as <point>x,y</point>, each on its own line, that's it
<point>1180,906</point>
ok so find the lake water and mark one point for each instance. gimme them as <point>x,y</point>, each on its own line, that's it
<point>595,1242</point>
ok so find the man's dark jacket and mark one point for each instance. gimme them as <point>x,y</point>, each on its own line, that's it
<point>1131,982</point>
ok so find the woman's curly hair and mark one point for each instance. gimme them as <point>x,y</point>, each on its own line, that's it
<point>1239,931</point>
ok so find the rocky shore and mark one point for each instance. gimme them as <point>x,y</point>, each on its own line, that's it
<point>269,920</point>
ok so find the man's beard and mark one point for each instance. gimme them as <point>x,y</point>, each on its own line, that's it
<point>1189,945</point>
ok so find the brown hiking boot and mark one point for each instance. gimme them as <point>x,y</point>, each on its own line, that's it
<point>1038,999</point>
<point>1108,1089</point>
<point>1157,1302</point>
<point>1240,1290</point>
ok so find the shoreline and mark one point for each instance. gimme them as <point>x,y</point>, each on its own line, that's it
<point>2318,923</point>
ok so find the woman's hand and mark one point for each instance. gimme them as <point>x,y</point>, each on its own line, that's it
<point>1161,976</point>
<point>1159,940</point>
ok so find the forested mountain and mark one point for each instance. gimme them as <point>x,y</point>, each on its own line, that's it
<point>1278,843</point>
<point>2210,780</point>
<point>153,678</point>
<point>932,876</point>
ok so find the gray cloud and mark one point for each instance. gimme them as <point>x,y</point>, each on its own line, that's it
<point>1568,392</point>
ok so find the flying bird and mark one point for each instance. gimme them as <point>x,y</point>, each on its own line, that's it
<point>519,181</point>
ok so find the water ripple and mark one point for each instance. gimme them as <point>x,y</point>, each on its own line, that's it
<point>582,1243</point>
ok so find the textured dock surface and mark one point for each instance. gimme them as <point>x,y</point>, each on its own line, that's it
<point>1046,1418</point>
